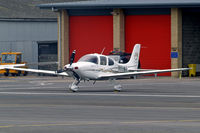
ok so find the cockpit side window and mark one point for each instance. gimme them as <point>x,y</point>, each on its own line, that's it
<point>103,60</point>
<point>89,58</point>
<point>110,62</point>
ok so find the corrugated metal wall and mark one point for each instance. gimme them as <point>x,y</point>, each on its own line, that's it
<point>23,37</point>
<point>23,31</point>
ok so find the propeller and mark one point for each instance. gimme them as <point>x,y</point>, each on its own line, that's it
<point>71,61</point>
<point>72,57</point>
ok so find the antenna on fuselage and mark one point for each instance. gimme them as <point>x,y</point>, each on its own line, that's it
<point>103,50</point>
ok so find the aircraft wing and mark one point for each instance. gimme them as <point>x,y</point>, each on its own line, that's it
<point>131,70</point>
<point>11,66</point>
<point>38,71</point>
<point>116,75</point>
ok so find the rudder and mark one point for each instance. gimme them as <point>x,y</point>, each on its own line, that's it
<point>134,60</point>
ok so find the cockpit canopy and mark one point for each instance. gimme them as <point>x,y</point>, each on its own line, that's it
<point>89,58</point>
<point>101,60</point>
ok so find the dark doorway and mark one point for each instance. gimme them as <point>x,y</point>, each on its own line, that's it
<point>191,37</point>
<point>47,55</point>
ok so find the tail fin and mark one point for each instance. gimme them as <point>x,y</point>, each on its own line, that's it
<point>134,60</point>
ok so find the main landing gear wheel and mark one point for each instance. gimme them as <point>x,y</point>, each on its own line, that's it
<point>117,88</point>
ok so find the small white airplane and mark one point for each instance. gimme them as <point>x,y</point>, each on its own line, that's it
<point>100,67</point>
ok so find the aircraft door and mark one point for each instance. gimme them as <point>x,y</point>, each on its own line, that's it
<point>102,63</point>
<point>103,60</point>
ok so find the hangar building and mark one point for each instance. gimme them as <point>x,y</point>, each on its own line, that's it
<point>169,31</point>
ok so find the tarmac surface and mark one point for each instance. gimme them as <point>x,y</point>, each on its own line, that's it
<point>145,105</point>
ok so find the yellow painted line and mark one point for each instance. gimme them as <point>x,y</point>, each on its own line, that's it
<point>143,122</point>
<point>189,120</point>
<point>66,124</point>
<point>44,125</point>
<point>7,126</point>
<point>99,106</point>
<point>162,121</point>
<point>58,124</point>
<point>82,123</point>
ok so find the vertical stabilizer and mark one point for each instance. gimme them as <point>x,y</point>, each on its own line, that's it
<point>134,60</point>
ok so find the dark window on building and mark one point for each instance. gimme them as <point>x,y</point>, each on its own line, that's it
<point>47,55</point>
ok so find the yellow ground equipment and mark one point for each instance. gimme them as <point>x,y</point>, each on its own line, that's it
<point>10,58</point>
<point>192,72</point>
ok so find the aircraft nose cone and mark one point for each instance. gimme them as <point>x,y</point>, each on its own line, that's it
<point>67,67</point>
<point>74,67</point>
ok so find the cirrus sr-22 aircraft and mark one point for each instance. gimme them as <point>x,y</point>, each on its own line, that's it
<point>100,67</point>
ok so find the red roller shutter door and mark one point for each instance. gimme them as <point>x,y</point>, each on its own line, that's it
<point>154,34</point>
<point>90,34</point>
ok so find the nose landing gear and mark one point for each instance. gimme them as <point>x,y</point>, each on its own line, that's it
<point>74,86</point>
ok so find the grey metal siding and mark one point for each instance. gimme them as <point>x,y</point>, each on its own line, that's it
<point>23,37</point>
<point>17,31</point>
<point>28,48</point>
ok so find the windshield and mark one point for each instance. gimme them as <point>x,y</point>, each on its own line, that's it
<point>89,58</point>
<point>8,58</point>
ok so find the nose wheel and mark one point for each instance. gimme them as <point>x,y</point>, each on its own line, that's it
<point>74,86</point>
